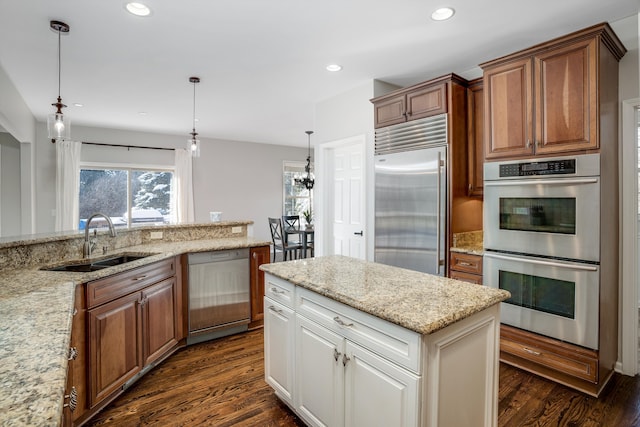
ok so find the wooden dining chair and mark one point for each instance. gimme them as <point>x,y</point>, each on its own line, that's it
<point>291,226</point>
<point>289,250</point>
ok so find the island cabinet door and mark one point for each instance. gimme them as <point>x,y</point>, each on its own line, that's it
<point>319,394</point>
<point>377,392</point>
<point>279,335</point>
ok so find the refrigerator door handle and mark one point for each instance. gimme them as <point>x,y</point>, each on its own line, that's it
<point>438,216</point>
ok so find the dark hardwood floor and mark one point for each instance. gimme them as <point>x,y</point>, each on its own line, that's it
<point>221,383</point>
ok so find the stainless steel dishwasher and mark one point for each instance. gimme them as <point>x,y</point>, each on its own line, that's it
<point>218,294</point>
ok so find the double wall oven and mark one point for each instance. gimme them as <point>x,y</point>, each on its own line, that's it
<point>542,244</point>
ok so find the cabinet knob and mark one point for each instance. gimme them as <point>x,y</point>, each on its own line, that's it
<point>73,399</point>
<point>336,354</point>
<point>470,187</point>
<point>73,353</point>
<point>528,144</point>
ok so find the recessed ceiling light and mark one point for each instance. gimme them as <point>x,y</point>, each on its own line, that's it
<point>138,9</point>
<point>142,113</point>
<point>334,67</point>
<point>442,14</point>
<point>77,104</point>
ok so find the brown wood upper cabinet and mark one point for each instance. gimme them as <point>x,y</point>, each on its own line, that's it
<point>475,137</point>
<point>414,102</point>
<point>552,98</point>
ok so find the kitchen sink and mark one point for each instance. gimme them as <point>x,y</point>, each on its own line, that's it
<point>97,264</point>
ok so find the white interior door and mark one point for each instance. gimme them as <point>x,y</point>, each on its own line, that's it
<point>348,200</point>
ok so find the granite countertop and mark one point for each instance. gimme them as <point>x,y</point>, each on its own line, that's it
<point>420,302</point>
<point>470,242</point>
<point>36,310</point>
<point>468,249</point>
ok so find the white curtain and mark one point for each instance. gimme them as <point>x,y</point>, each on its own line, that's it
<point>67,185</point>
<point>184,187</point>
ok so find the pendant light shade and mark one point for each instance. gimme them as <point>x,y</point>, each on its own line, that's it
<point>58,125</point>
<point>193,143</point>
<point>308,180</point>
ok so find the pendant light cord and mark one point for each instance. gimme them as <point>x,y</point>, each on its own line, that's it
<point>194,107</point>
<point>59,64</point>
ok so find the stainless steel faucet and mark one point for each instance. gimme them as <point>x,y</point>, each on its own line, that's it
<point>88,245</point>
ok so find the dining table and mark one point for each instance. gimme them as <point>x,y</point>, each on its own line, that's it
<point>306,235</point>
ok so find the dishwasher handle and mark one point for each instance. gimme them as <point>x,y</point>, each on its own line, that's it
<point>217,256</point>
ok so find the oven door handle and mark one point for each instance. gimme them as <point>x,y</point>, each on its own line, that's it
<point>565,181</point>
<point>548,263</point>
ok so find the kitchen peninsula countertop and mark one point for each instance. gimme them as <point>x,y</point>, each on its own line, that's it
<point>36,310</point>
<point>420,302</point>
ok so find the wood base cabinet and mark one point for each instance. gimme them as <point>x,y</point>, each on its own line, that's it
<point>258,256</point>
<point>133,322</point>
<point>75,397</point>
<point>466,267</point>
<point>350,368</point>
<point>568,364</point>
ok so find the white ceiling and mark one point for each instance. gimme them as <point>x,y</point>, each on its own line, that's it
<point>261,63</point>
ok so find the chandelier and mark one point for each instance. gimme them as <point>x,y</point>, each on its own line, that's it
<point>307,181</point>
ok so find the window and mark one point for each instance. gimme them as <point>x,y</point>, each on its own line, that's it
<point>297,199</point>
<point>130,197</point>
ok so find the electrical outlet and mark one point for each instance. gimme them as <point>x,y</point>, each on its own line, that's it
<point>236,230</point>
<point>156,235</point>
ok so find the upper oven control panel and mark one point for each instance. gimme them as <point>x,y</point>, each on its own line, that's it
<point>549,167</point>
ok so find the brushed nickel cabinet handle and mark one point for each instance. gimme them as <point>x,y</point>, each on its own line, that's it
<point>277,291</point>
<point>528,350</point>
<point>275,310</point>
<point>528,144</point>
<point>336,354</point>
<point>144,276</point>
<point>345,360</point>
<point>465,264</point>
<point>341,322</point>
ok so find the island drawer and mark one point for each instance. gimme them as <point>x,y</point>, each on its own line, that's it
<point>109,288</point>
<point>279,290</point>
<point>395,343</point>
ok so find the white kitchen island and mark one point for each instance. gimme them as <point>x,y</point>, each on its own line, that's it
<point>354,343</point>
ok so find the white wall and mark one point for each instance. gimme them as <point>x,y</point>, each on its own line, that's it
<point>10,218</point>
<point>627,31</point>
<point>241,179</point>
<point>347,115</point>
<point>15,116</point>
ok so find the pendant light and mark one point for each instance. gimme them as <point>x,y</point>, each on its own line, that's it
<point>58,125</point>
<point>193,144</point>
<point>308,180</point>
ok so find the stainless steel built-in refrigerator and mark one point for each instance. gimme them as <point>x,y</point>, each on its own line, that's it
<point>410,195</point>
